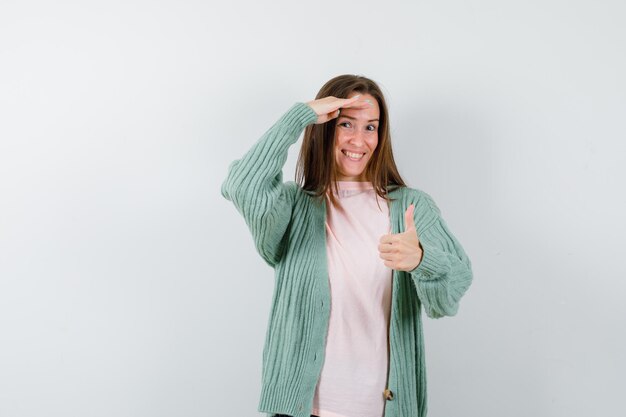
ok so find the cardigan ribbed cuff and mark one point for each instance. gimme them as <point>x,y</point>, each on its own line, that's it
<point>298,116</point>
<point>434,263</point>
<point>264,161</point>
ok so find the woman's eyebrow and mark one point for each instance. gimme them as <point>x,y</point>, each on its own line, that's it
<point>354,118</point>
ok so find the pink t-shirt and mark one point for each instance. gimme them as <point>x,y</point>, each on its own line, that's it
<point>354,373</point>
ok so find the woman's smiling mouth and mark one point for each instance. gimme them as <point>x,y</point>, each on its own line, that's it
<point>353,156</point>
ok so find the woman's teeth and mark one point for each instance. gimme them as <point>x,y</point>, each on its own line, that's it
<point>354,156</point>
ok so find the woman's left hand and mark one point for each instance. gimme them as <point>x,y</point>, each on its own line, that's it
<point>402,251</point>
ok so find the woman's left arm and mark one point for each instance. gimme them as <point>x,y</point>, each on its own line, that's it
<point>445,272</point>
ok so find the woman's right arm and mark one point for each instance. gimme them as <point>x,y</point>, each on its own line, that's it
<point>254,183</point>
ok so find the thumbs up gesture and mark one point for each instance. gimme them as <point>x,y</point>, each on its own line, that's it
<point>402,251</point>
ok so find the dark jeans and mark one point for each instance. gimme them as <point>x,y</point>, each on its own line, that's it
<point>285,415</point>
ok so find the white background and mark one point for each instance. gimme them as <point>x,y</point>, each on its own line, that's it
<point>129,287</point>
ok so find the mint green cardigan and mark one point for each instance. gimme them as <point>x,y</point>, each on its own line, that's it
<point>288,229</point>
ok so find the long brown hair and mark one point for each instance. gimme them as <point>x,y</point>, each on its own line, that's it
<point>316,170</point>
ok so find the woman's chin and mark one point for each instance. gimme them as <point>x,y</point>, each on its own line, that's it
<point>350,176</point>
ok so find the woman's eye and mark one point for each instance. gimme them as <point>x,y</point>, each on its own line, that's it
<point>373,127</point>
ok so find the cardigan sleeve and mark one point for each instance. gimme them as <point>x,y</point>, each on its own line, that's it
<point>445,272</point>
<point>254,183</point>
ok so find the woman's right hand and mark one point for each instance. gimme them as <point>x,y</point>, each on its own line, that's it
<point>327,108</point>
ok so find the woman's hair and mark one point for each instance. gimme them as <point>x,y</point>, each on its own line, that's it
<point>316,170</point>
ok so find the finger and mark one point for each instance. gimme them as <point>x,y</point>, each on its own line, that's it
<point>387,239</point>
<point>386,248</point>
<point>359,104</point>
<point>353,98</point>
<point>356,102</point>
<point>409,222</point>
<point>385,257</point>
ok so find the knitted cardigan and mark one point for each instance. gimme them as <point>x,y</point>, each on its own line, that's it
<point>288,230</point>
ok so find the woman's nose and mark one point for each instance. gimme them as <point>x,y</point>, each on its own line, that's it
<point>357,137</point>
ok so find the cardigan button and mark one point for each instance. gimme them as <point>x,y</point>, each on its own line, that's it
<point>388,394</point>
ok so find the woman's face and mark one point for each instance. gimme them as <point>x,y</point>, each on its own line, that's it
<point>356,133</point>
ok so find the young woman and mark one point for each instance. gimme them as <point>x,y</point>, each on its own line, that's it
<point>357,255</point>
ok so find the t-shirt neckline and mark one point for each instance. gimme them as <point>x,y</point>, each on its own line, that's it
<point>355,185</point>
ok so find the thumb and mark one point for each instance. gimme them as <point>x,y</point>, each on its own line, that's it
<point>409,223</point>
